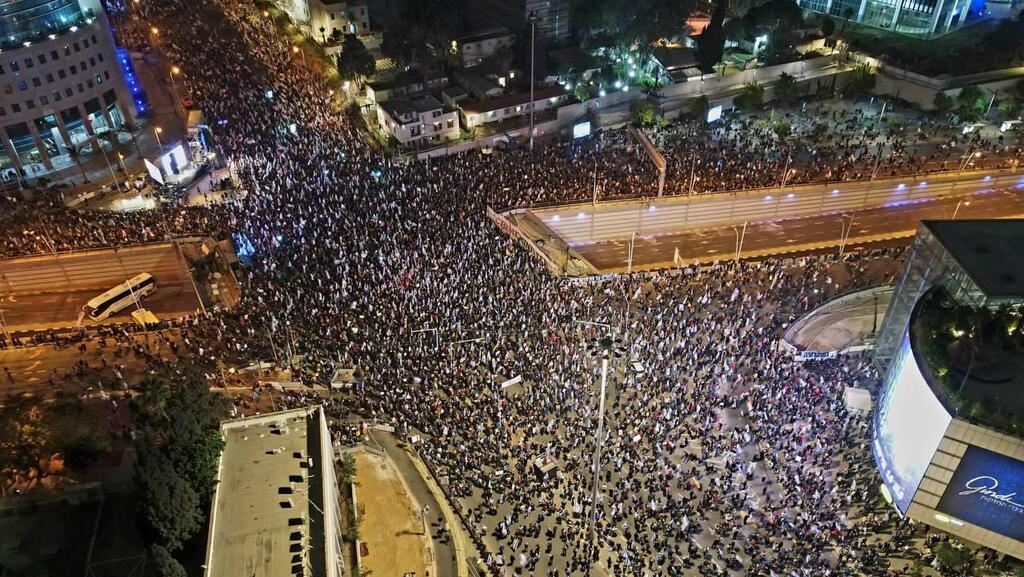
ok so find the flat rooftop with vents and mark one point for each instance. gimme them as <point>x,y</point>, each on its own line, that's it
<point>275,513</point>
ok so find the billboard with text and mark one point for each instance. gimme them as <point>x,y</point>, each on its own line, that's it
<point>987,490</point>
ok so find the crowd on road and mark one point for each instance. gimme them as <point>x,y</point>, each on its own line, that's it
<point>722,456</point>
<point>823,142</point>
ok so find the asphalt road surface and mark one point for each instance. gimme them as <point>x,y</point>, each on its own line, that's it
<point>52,311</point>
<point>794,235</point>
<point>31,369</point>
<point>47,292</point>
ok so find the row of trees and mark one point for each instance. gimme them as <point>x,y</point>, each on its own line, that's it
<point>178,453</point>
<point>972,103</point>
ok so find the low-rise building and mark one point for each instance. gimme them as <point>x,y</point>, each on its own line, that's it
<point>416,121</point>
<point>328,20</point>
<point>513,105</point>
<point>479,85</point>
<point>407,84</point>
<point>677,62</point>
<point>474,49</point>
<point>276,508</point>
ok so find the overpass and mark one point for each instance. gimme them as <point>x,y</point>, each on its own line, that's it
<point>650,234</point>
<point>46,292</point>
<point>604,221</point>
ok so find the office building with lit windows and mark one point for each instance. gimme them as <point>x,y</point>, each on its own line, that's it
<point>926,18</point>
<point>62,83</point>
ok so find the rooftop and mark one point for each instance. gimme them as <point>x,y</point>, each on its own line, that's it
<point>484,35</point>
<point>513,100</point>
<point>262,522</point>
<point>991,252</point>
<point>673,57</point>
<point>401,107</point>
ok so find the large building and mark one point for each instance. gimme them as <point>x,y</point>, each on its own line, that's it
<point>552,16</point>
<point>328,20</point>
<point>276,508</point>
<point>62,82</point>
<point>913,17</point>
<point>948,436</point>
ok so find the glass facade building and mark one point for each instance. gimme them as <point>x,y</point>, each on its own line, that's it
<point>28,20</point>
<point>913,17</point>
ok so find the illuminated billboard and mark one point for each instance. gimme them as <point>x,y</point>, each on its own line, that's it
<point>909,424</point>
<point>580,130</point>
<point>987,490</point>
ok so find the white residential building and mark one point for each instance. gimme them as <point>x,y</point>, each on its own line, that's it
<point>421,120</point>
<point>513,105</point>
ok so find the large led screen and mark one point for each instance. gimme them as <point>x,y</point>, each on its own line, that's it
<point>908,427</point>
<point>987,490</point>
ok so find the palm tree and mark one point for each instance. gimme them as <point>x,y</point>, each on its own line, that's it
<point>76,155</point>
<point>847,15</point>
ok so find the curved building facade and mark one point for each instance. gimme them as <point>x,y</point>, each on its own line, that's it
<point>57,94</point>
<point>22,20</point>
<point>948,432</point>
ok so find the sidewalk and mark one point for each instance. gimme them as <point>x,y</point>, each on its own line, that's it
<point>126,154</point>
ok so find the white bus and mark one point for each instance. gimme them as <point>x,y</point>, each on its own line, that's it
<point>120,297</point>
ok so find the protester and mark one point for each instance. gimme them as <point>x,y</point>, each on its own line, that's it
<point>722,455</point>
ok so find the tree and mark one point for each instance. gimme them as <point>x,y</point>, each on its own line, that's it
<point>699,106</point>
<point>847,15</point>
<point>943,103</point>
<point>711,42</point>
<point>950,557</point>
<point>167,501</point>
<point>166,565</point>
<point>1007,107</point>
<point>751,96</point>
<point>355,60</point>
<point>645,112</point>
<point>347,469</point>
<point>860,82</point>
<point>971,103</point>
<point>828,27</point>
<point>785,89</point>
<point>782,129</point>
<point>582,92</point>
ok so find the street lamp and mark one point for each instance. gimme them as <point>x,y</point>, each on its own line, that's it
<point>957,209</point>
<point>605,348</point>
<point>967,158</point>
<point>847,229</point>
<point>174,89</point>
<point>533,35</point>
<point>157,130</point>
<point>296,50</point>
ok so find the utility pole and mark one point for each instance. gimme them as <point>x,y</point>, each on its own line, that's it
<point>533,46</point>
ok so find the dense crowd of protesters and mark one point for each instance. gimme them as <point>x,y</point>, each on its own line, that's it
<point>721,455</point>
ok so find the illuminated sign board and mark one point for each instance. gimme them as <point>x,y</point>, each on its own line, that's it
<point>908,426</point>
<point>714,113</point>
<point>174,161</point>
<point>153,170</point>
<point>987,490</point>
<point>815,355</point>
<point>580,130</point>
